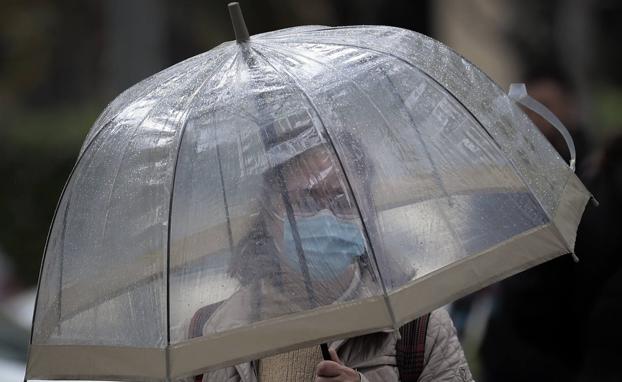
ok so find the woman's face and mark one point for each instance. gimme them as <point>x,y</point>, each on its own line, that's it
<point>325,222</point>
<point>311,182</point>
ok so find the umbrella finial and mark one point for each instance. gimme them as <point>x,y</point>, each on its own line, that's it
<point>237,20</point>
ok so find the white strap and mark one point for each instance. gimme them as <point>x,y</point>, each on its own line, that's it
<point>518,93</point>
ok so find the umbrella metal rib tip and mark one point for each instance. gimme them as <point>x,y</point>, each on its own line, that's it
<point>237,20</point>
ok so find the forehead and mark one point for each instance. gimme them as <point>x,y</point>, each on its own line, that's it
<point>316,159</point>
<point>308,168</point>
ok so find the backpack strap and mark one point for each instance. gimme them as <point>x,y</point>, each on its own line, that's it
<point>410,349</point>
<point>198,320</point>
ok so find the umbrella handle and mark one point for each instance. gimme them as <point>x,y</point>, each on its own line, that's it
<point>518,93</point>
<point>325,352</point>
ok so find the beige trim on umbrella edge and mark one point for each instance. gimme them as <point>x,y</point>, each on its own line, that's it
<point>189,358</point>
<point>279,335</point>
<point>492,265</point>
<point>521,252</point>
<point>489,267</point>
<point>86,362</point>
<point>570,209</point>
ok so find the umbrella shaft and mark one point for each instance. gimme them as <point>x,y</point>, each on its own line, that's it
<point>325,352</point>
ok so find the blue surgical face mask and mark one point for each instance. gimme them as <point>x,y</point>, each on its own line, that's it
<point>330,244</point>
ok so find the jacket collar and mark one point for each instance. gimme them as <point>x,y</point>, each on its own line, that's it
<point>246,372</point>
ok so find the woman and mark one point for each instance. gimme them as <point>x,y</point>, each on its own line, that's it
<point>308,249</point>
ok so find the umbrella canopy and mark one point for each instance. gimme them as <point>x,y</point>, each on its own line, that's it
<point>286,189</point>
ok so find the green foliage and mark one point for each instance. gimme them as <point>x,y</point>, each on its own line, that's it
<point>608,112</point>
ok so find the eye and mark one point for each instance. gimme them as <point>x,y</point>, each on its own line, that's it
<point>341,206</point>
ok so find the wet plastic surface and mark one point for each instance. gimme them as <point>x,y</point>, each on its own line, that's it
<point>209,191</point>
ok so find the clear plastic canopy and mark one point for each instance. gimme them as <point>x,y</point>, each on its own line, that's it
<point>287,185</point>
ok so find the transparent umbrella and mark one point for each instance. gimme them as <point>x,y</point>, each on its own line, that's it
<point>286,189</point>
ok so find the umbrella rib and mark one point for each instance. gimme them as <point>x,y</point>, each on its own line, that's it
<point>127,144</point>
<point>78,161</point>
<point>149,91</point>
<point>410,64</point>
<point>170,209</point>
<point>274,35</point>
<point>441,211</point>
<point>425,149</point>
<point>224,197</point>
<point>65,190</point>
<point>146,93</point>
<point>47,240</point>
<point>439,181</point>
<point>492,138</point>
<point>287,204</point>
<point>112,188</point>
<point>294,81</point>
<point>81,155</point>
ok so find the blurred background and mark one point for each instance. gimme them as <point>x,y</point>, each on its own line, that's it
<point>61,62</point>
